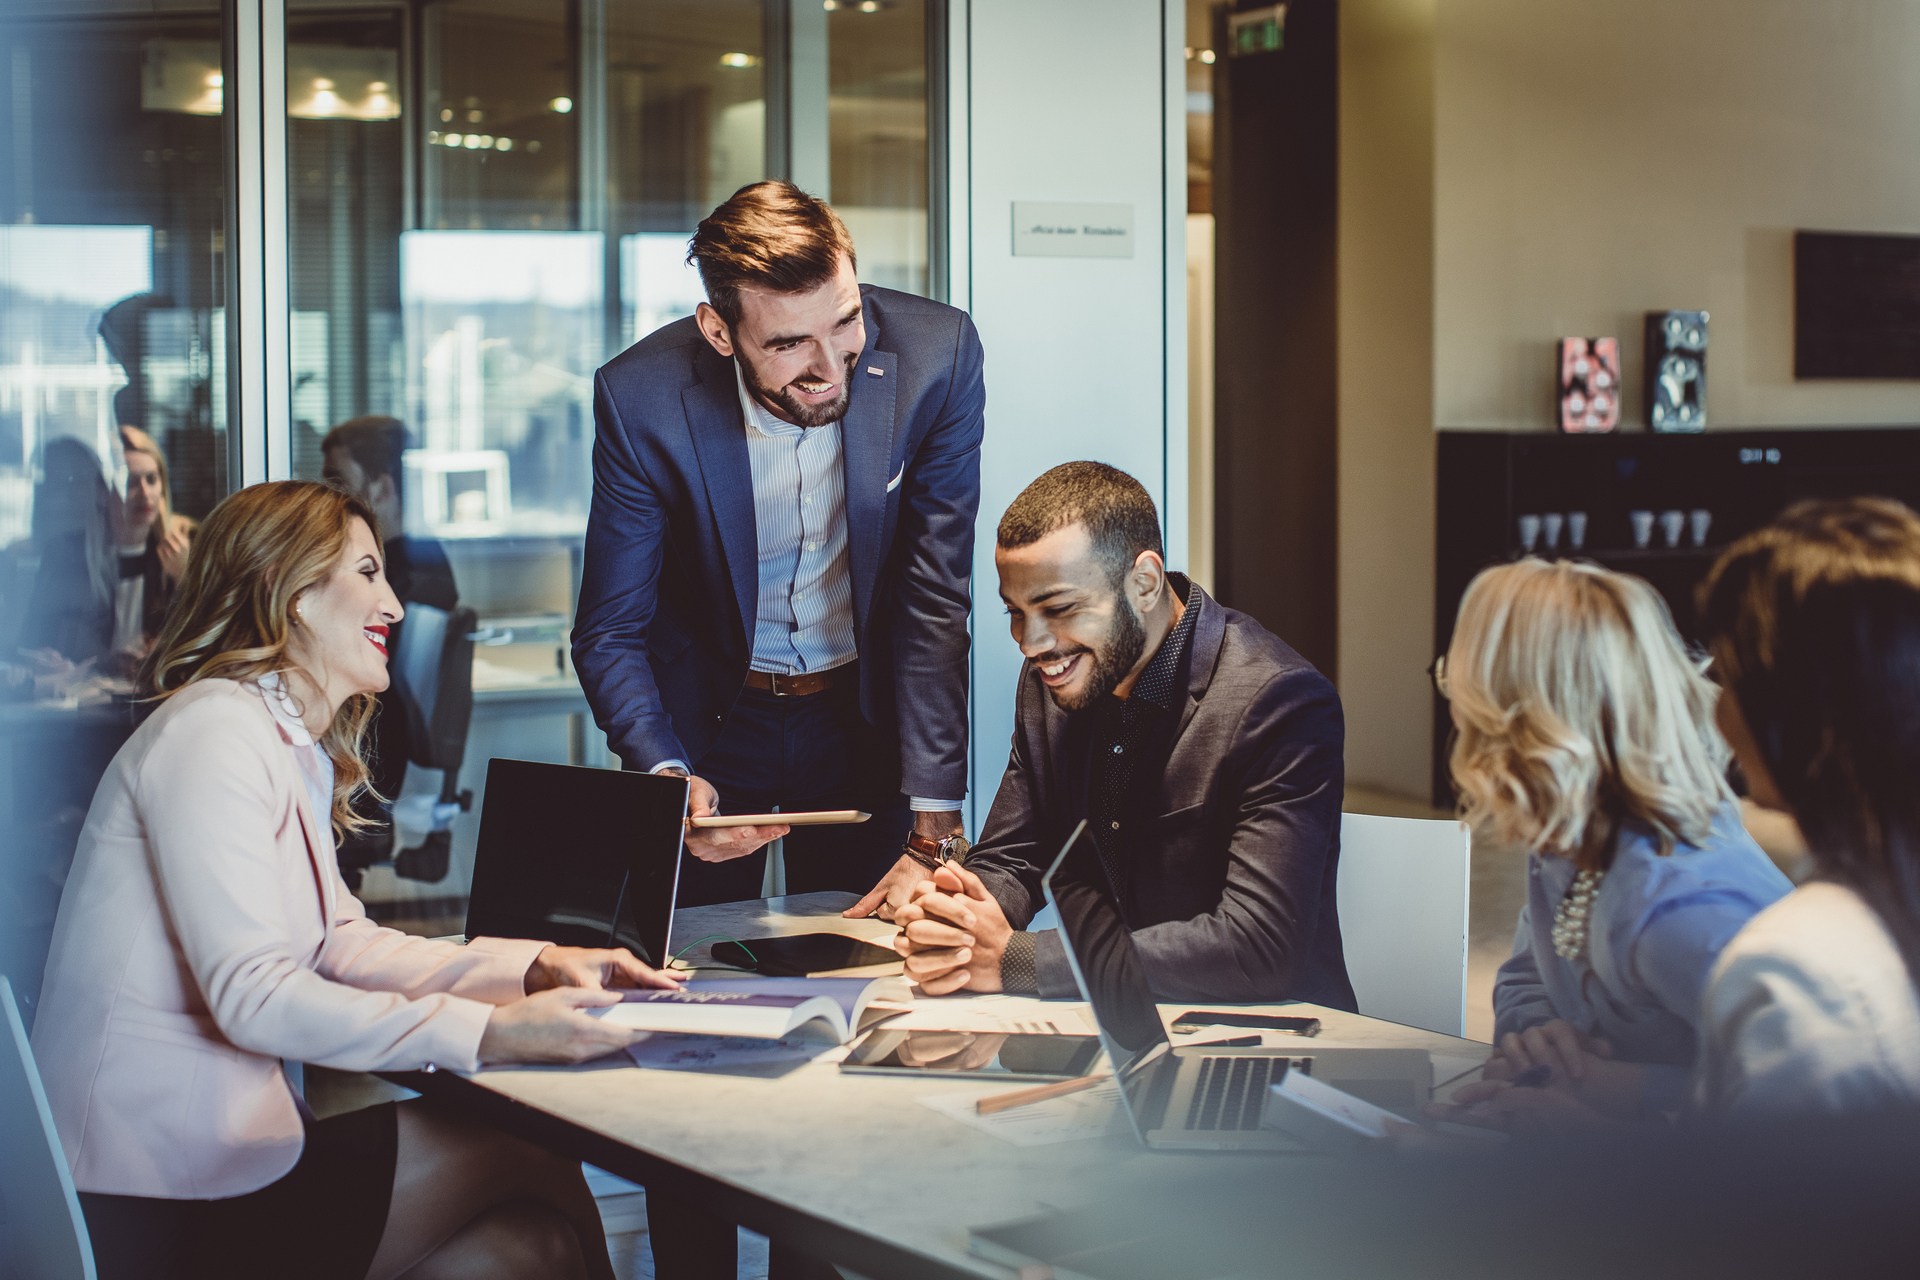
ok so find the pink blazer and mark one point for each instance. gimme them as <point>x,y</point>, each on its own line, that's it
<point>204,935</point>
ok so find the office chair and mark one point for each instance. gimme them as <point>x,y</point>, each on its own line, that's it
<point>46,1232</point>
<point>433,674</point>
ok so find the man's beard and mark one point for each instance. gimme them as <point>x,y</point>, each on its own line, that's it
<point>803,415</point>
<point>1112,660</point>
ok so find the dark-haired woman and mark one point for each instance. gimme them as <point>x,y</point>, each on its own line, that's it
<point>1814,623</point>
<point>205,937</point>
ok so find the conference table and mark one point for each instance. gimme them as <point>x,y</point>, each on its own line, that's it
<point>855,1168</point>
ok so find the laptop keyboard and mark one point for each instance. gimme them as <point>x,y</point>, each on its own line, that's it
<point>1231,1093</point>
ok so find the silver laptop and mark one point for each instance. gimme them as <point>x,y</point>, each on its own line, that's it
<point>1199,1097</point>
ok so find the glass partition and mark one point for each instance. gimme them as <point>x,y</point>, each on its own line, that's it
<point>113,172</point>
<point>877,113</point>
<point>491,198</point>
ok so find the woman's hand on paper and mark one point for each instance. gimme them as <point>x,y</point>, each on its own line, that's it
<point>554,1026</point>
<point>593,968</point>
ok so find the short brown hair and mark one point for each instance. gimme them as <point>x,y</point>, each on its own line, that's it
<point>769,235</point>
<point>376,443</point>
<point>256,554</point>
<point>1116,509</point>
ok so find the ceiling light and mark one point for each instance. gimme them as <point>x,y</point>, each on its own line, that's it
<point>1206,56</point>
<point>739,60</point>
<point>869,6</point>
<point>562,105</point>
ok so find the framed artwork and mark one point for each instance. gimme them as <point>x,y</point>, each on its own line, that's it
<point>1589,396</point>
<point>1676,390</point>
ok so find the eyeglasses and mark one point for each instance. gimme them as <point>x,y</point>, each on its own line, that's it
<point>1437,669</point>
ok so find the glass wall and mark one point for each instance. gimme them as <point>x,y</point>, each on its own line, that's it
<point>113,173</point>
<point>877,107</point>
<point>489,200</point>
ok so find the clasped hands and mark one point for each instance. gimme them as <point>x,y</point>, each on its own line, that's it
<point>952,933</point>
<point>551,1024</point>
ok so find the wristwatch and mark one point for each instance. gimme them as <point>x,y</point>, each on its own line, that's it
<point>931,853</point>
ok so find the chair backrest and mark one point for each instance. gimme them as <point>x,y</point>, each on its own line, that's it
<point>1403,891</point>
<point>433,674</point>
<point>46,1234</point>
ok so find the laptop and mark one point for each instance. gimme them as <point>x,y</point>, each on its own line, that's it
<point>577,856</point>
<point>1198,1097</point>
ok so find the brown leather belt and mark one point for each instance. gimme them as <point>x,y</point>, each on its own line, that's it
<point>797,686</point>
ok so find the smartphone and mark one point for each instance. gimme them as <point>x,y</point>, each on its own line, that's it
<point>823,818</point>
<point>974,1055</point>
<point>1195,1019</point>
<point>800,954</point>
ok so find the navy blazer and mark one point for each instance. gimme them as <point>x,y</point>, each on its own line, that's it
<point>663,633</point>
<point>1232,886</point>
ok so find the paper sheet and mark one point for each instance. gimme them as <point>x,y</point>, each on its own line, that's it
<point>669,1051</point>
<point>1074,1118</point>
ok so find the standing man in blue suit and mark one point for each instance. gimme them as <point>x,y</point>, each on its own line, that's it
<point>776,587</point>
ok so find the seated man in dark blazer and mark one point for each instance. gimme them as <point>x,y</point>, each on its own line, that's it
<point>1205,754</point>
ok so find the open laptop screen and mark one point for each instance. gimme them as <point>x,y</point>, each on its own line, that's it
<point>576,856</point>
<point>1100,948</point>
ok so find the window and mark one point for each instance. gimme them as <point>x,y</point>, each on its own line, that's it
<point>113,184</point>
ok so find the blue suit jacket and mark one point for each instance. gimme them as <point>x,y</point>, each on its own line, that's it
<point>663,633</point>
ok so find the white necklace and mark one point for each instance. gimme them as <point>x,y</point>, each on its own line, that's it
<point>1570,918</point>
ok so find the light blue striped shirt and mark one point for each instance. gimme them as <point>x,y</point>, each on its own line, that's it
<point>804,618</point>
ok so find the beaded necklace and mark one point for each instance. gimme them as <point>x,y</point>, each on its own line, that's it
<point>1570,918</point>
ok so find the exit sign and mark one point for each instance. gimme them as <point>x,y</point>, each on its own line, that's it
<point>1256,31</point>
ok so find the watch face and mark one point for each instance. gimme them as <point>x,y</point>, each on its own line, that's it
<point>955,848</point>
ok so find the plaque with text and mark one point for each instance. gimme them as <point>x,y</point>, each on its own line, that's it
<point>1072,230</point>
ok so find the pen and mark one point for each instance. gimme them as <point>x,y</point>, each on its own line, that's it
<point>1534,1077</point>
<point>1021,1097</point>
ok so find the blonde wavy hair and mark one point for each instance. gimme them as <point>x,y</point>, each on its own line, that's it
<point>1575,707</point>
<point>232,620</point>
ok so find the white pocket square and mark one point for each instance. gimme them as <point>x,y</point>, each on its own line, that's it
<point>895,482</point>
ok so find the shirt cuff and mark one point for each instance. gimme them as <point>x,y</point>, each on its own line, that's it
<point>920,804</point>
<point>1018,974</point>
<point>681,765</point>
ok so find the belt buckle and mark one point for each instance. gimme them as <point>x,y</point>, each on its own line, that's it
<point>773,685</point>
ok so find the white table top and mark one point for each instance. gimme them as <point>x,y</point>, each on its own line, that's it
<point>854,1162</point>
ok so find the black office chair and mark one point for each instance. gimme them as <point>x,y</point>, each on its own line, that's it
<point>433,674</point>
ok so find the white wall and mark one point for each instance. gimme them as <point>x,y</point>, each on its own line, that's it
<point>1386,440</point>
<point>1594,163</point>
<point>1068,100</point>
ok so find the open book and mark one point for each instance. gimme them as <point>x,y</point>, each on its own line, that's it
<point>765,1008</point>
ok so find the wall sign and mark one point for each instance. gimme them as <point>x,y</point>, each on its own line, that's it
<point>1043,230</point>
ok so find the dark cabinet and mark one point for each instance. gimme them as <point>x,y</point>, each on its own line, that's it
<point>1489,481</point>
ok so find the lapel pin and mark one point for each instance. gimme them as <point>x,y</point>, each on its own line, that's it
<point>876,371</point>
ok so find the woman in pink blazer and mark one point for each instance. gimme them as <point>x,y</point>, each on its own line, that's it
<point>205,937</point>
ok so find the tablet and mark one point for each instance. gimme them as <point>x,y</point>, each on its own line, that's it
<point>824,818</point>
<point>801,955</point>
<point>974,1055</point>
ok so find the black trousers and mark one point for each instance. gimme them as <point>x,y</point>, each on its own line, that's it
<point>322,1221</point>
<point>797,754</point>
<point>801,754</point>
